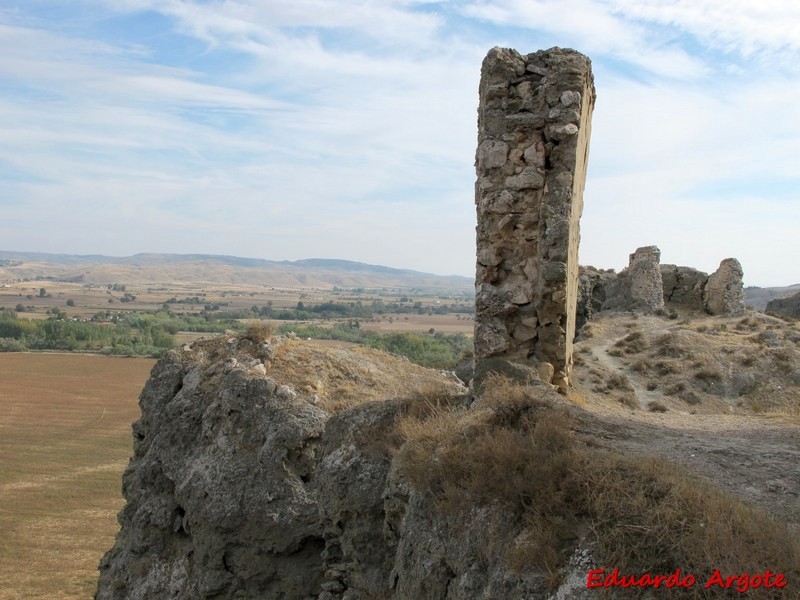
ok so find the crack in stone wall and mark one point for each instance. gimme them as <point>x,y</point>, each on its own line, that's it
<point>534,123</point>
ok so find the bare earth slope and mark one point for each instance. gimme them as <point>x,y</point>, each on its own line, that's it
<point>718,396</point>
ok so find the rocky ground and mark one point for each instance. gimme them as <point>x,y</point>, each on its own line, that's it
<point>719,396</point>
<point>275,468</point>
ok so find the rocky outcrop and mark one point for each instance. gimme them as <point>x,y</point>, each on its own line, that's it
<point>534,121</point>
<point>645,285</point>
<point>245,483</point>
<point>592,285</point>
<point>787,307</point>
<point>684,287</point>
<point>724,291</point>
<point>639,286</point>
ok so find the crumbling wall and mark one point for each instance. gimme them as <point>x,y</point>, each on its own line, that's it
<point>534,122</point>
<point>724,292</point>
<point>646,285</point>
<point>592,285</point>
<point>639,286</point>
<point>684,287</point>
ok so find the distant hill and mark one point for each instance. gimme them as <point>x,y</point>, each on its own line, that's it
<point>757,297</point>
<point>219,269</point>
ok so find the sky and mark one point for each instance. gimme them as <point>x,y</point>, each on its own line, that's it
<point>347,129</point>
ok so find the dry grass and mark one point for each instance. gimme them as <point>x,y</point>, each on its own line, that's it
<point>259,331</point>
<point>65,439</point>
<point>518,451</point>
<point>332,377</point>
<point>714,364</point>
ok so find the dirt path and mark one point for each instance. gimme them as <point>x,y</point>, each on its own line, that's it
<point>754,457</point>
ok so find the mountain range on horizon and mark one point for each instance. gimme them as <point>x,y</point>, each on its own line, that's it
<point>158,267</point>
<point>151,268</point>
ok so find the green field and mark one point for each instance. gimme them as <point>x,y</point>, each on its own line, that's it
<point>65,439</point>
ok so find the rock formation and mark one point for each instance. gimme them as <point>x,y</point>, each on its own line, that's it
<point>787,307</point>
<point>684,287</point>
<point>534,122</point>
<point>245,483</point>
<point>592,285</point>
<point>647,286</point>
<point>639,286</point>
<point>724,291</point>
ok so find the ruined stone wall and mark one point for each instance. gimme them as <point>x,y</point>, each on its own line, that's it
<point>645,285</point>
<point>684,287</point>
<point>724,292</point>
<point>639,285</point>
<point>534,122</point>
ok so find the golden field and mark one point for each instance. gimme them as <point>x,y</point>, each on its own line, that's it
<point>65,439</point>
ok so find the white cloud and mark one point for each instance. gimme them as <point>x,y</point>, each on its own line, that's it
<point>347,129</point>
<point>739,26</point>
<point>593,28</point>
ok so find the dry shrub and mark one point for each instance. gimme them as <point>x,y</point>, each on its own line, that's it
<point>633,343</point>
<point>640,366</point>
<point>667,346</point>
<point>676,389</point>
<point>642,514</point>
<point>655,406</point>
<point>617,381</point>
<point>259,332</point>
<point>629,399</point>
<point>708,375</point>
<point>647,516</point>
<point>665,368</point>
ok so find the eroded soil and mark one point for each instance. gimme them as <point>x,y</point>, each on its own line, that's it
<point>722,434</point>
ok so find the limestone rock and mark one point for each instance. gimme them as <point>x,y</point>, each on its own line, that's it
<point>639,286</point>
<point>533,134</point>
<point>239,490</point>
<point>684,287</point>
<point>787,307</point>
<point>724,291</point>
<point>644,271</point>
<point>592,284</point>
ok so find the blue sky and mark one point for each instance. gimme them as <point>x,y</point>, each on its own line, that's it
<point>325,128</point>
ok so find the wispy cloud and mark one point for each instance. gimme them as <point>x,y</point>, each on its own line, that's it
<point>318,127</point>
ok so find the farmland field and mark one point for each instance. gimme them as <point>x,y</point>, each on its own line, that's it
<point>65,439</point>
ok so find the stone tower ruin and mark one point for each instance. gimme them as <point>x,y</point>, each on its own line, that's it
<point>534,122</point>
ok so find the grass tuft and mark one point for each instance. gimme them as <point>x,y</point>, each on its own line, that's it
<point>518,450</point>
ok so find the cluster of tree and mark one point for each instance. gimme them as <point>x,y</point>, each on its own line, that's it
<point>143,334</point>
<point>151,334</point>
<point>192,300</point>
<point>356,310</point>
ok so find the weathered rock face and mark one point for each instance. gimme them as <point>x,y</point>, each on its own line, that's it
<point>724,291</point>
<point>534,122</point>
<point>646,285</point>
<point>684,287</point>
<point>788,307</point>
<point>639,286</point>
<point>243,486</point>
<point>592,285</point>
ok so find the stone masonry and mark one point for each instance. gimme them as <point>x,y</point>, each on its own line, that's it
<point>724,292</point>
<point>534,122</point>
<point>647,286</point>
<point>639,286</point>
